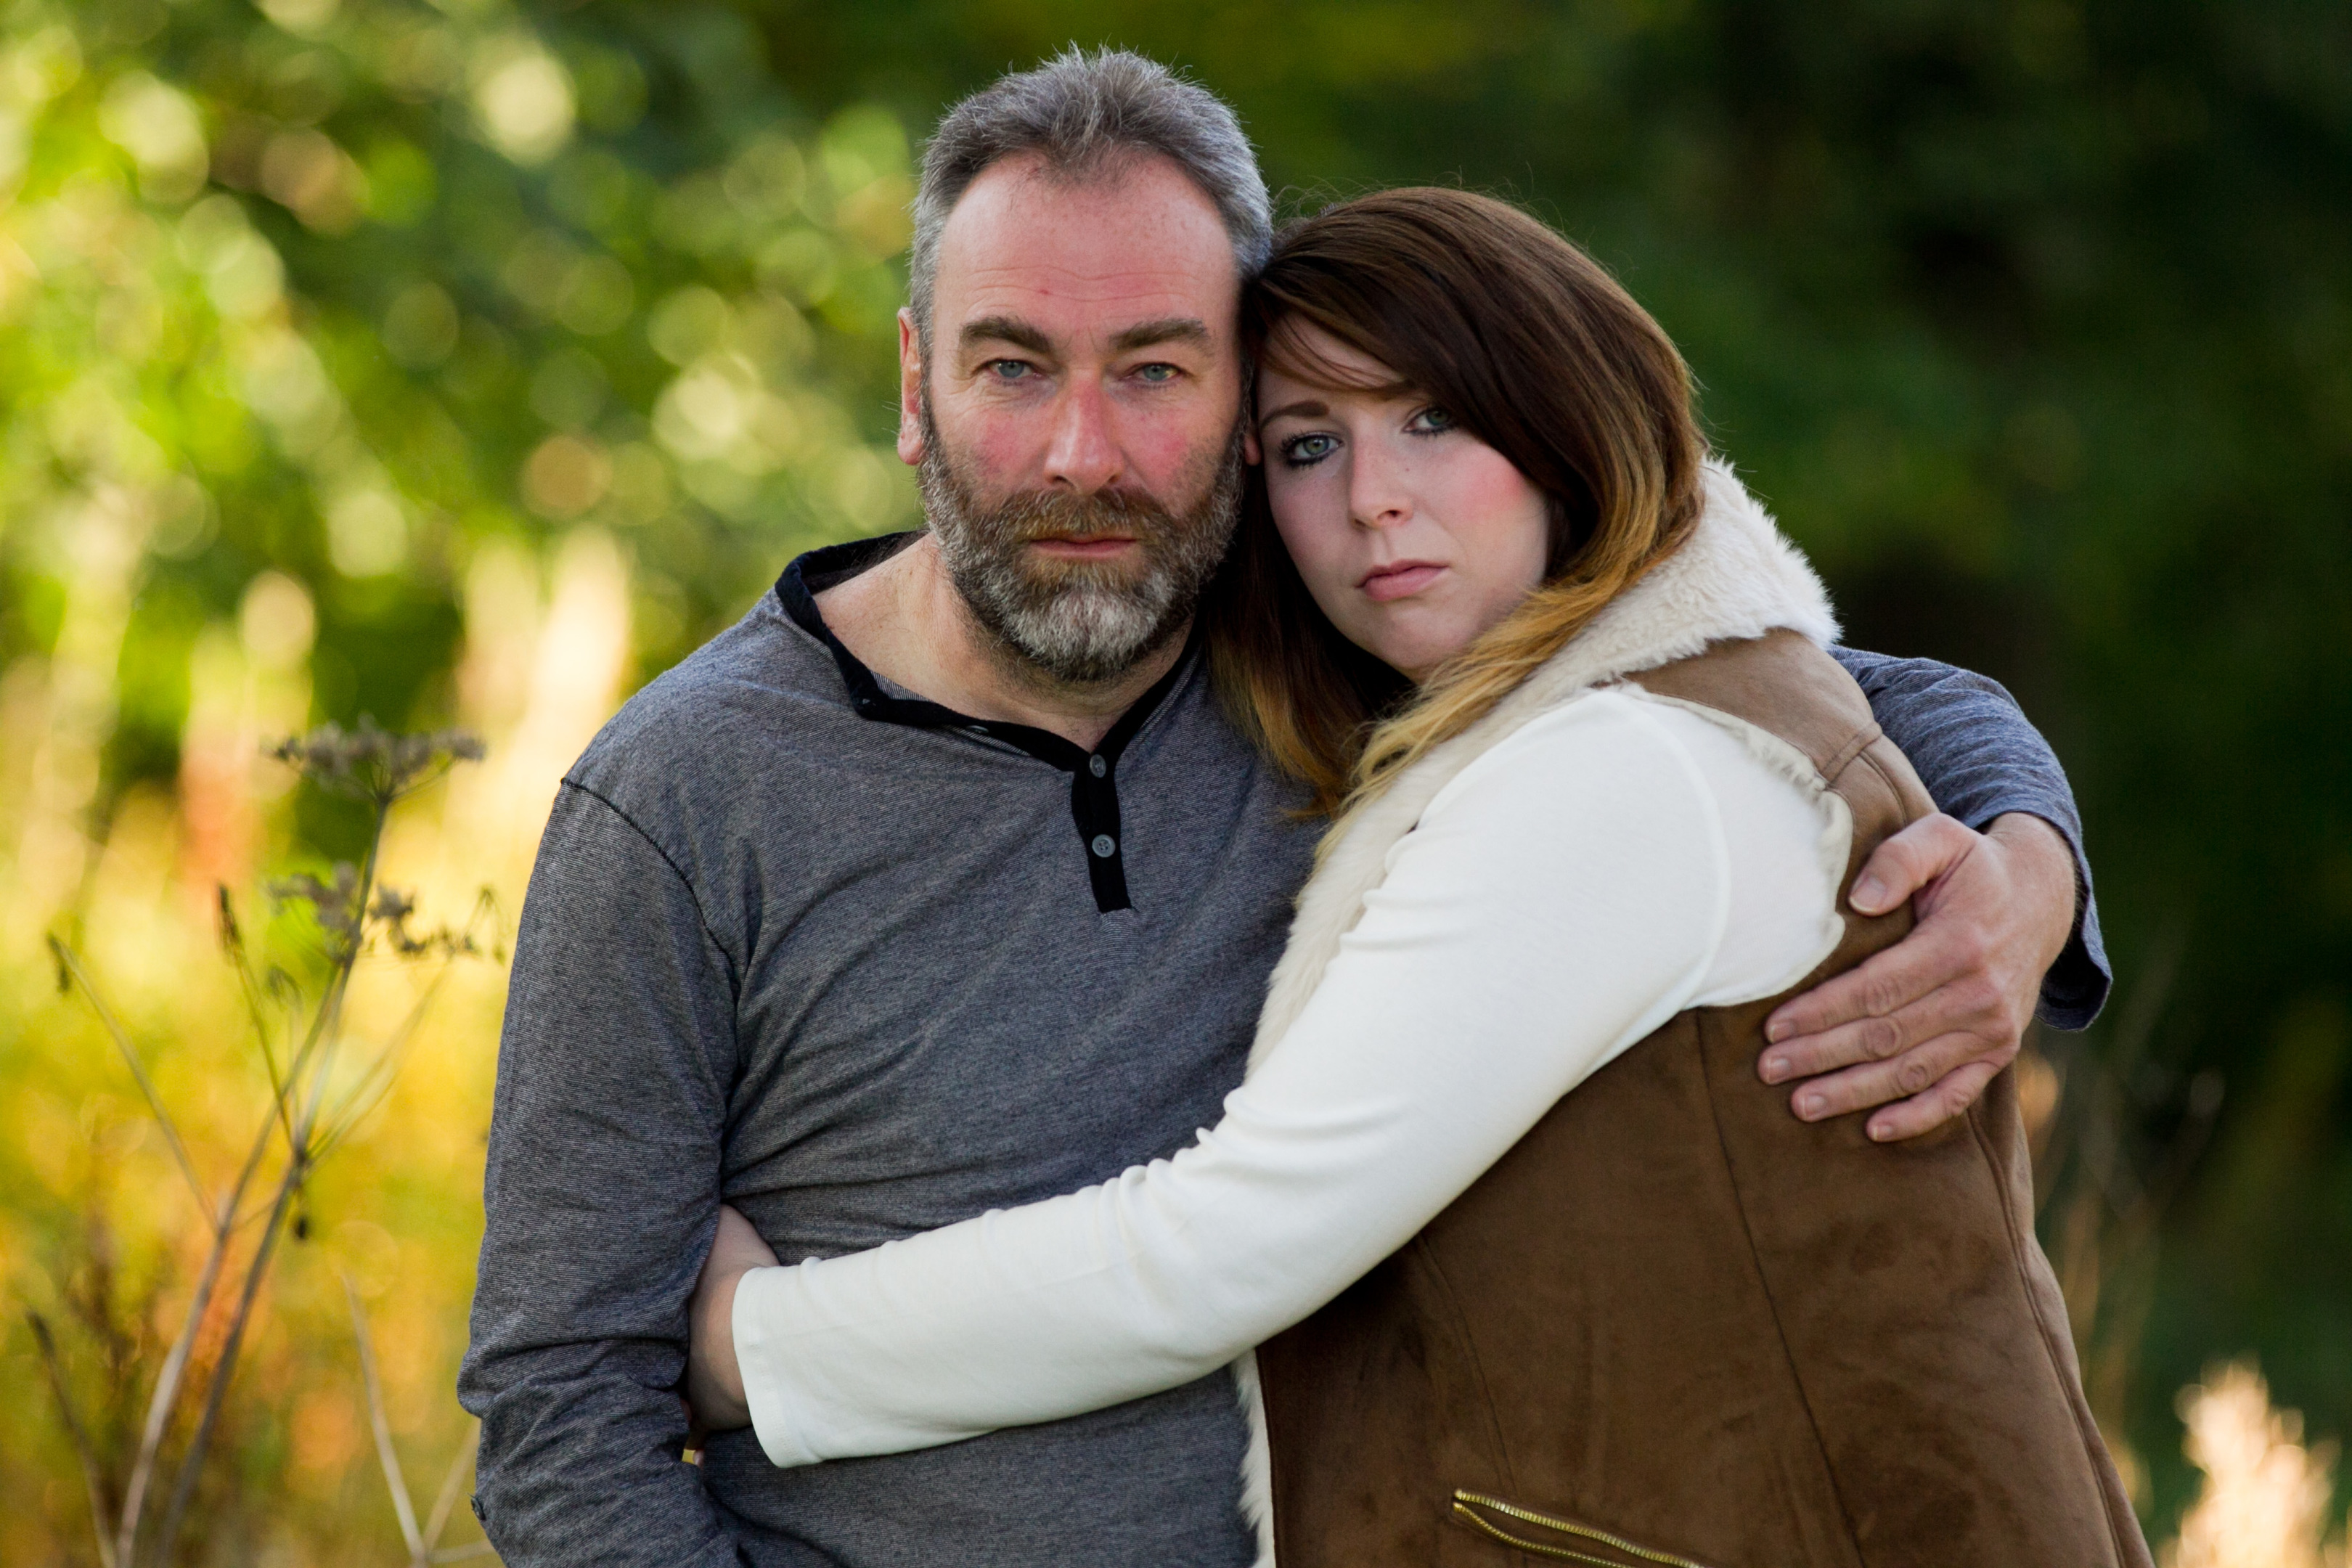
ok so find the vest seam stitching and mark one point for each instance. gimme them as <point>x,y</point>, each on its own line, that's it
<point>1855,748</point>
<point>1477,1363</point>
<point>1975,1119</point>
<point>1708,1019</point>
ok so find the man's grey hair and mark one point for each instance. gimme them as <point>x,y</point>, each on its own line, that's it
<point>1082,112</point>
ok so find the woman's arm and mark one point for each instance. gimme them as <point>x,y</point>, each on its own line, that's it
<point>1566,895</point>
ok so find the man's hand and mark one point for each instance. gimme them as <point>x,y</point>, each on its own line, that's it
<point>714,1380</point>
<point>1927,1023</point>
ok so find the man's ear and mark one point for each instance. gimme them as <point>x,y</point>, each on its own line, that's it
<point>1252,453</point>
<point>910,390</point>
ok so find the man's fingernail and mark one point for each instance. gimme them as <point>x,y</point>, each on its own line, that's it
<point>1810,1105</point>
<point>1879,1134</point>
<point>1778,1030</point>
<point>1869,890</point>
<point>1775,1068</point>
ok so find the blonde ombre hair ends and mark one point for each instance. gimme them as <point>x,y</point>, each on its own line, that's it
<point>1532,348</point>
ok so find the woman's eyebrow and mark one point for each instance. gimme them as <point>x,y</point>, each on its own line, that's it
<point>1305,409</point>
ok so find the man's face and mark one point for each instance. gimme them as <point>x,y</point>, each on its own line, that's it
<point>1077,428</point>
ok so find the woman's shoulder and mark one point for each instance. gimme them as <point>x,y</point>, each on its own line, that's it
<point>1682,805</point>
<point>1613,739</point>
<point>1649,769</point>
<point>1601,773</point>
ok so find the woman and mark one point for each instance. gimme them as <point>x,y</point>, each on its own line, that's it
<point>1612,789</point>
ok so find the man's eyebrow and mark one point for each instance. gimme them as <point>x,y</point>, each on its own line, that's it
<point>1305,409</point>
<point>1167,330</point>
<point>1004,330</point>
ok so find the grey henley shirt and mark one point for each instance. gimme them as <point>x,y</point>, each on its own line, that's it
<point>861,967</point>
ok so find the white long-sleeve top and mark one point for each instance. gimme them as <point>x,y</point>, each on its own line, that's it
<point>1612,862</point>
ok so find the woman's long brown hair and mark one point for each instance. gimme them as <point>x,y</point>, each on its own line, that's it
<point>1533,349</point>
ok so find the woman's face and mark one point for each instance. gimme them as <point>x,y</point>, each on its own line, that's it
<point>1414,535</point>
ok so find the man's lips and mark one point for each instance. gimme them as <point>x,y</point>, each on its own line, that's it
<point>1092,547</point>
<point>1399,579</point>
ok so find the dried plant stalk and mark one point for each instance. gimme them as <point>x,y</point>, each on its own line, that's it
<point>355,913</point>
<point>386,1455</point>
<point>82,1449</point>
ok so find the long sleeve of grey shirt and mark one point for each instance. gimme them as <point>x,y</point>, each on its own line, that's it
<point>601,1192</point>
<point>655,1059</point>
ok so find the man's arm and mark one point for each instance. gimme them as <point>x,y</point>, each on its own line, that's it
<point>602,1193</point>
<point>2003,892</point>
<point>1981,759</point>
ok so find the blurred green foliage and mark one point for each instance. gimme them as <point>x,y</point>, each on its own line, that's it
<point>2032,319</point>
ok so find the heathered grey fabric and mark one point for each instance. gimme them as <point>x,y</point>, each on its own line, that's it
<point>1980,759</point>
<point>850,976</point>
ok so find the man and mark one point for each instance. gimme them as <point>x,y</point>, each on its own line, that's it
<point>940,883</point>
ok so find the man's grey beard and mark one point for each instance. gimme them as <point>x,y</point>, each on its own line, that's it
<point>1081,622</point>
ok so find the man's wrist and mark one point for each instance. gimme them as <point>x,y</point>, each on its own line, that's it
<point>2043,862</point>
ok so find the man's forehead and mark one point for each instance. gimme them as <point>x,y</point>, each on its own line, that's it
<point>1139,243</point>
<point>1143,292</point>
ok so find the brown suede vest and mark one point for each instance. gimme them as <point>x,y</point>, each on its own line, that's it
<point>1677,1326</point>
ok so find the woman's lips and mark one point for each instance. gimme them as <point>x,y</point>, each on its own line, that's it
<point>1406,577</point>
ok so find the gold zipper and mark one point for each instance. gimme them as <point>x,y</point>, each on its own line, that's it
<point>1466,1504</point>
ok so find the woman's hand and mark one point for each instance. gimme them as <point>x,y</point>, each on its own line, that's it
<point>714,1382</point>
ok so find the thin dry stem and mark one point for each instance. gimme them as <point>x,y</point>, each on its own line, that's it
<point>70,962</point>
<point>165,1398</point>
<point>184,1486</point>
<point>83,1450</point>
<point>250,986</point>
<point>453,1486</point>
<point>382,1422</point>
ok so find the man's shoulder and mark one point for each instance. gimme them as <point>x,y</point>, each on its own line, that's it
<point>757,684</point>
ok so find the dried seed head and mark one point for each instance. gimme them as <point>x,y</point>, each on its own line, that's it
<point>372,763</point>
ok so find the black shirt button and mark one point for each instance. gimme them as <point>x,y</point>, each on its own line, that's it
<point>1097,766</point>
<point>1104,846</point>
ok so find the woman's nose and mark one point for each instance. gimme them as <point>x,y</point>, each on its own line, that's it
<point>1377,497</point>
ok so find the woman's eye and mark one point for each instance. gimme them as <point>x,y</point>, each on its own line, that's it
<point>1430,422</point>
<point>1306,451</point>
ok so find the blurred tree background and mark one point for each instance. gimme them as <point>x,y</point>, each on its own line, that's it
<point>468,363</point>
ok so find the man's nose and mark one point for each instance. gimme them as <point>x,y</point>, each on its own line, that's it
<point>1083,454</point>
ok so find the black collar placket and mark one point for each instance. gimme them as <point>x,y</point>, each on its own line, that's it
<point>1094,775</point>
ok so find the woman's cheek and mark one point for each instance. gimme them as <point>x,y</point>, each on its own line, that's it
<point>1314,531</point>
<point>1511,531</point>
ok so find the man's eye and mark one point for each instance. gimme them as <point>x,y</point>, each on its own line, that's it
<point>1430,421</point>
<point>1156,375</point>
<point>1010,369</point>
<point>1306,451</point>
